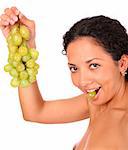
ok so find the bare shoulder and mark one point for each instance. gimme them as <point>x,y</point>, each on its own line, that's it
<point>113,129</point>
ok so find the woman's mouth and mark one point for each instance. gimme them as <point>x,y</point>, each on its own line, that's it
<point>97,90</point>
<point>92,93</point>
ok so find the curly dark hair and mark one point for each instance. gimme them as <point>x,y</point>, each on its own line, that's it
<point>107,32</point>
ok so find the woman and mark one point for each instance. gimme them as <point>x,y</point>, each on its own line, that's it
<point>97,53</point>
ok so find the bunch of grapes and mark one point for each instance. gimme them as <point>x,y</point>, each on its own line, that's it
<point>22,64</point>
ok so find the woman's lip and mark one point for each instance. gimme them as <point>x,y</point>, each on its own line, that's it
<point>94,97</point>
<point>97,95</point>
<point>93,89</point>
<point>85,92</point>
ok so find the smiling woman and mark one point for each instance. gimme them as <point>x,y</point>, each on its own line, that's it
<point>92,64</point>
<point>97,53</point>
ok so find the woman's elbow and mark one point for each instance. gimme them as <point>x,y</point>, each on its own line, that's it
<point>30,118</point>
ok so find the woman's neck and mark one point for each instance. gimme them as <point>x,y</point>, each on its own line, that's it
<point>118,102</point>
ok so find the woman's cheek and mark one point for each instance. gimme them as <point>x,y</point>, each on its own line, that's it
<point>75,80</point>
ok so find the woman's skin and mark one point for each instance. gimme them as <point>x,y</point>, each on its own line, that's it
<point>91,67</point>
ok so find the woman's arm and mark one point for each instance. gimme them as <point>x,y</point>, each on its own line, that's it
<point>34,107</point>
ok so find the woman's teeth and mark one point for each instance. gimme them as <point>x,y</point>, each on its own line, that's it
<point>92,93</point>
<point>88,91</point>
<point>92,90</point>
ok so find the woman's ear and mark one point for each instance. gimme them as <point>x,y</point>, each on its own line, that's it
<point>123,64</point>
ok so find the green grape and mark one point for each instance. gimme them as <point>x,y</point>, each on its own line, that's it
<point>17,39</point>
<point>91,95</point>
<point>15,29</point>
<point>36,66</point>
<point>23,50</point>
<point>11,55</point>
<point>24,83</point>
<point>30,63</point>
<point>12,48</point>
<point>34,53</point>
<point>13,73</point>
<point>31,71</point>
<point>10,61</point>
<point>8,68</point>
<point>9,39</point>
<point>23,75</point>
<point>10,58</point>
<point>24,43</point>
<point>15,82</point>
<point>20,67</point>
<point>26,57</point>
<point>17,57</point>
<point>24,31</point>
<point>15,63</point>
<point>32,79</point>
<point>35,71</point>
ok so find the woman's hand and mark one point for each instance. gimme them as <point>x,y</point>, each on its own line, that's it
<point>13,15</point>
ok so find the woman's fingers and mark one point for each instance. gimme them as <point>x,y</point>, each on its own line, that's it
<point>25,20</point>
<point>11,15</point>
<point>5,18</point>
<point>5,30</point>
<point>4,23</point>
<point>15,10</point>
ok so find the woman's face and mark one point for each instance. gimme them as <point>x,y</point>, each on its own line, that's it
<point>92,68</point>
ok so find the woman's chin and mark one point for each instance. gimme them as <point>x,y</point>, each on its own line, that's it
<point>99,99</point>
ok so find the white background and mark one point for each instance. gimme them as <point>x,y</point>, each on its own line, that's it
<point>53,19</point>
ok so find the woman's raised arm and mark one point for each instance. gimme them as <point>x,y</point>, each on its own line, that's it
<point>34,107</point>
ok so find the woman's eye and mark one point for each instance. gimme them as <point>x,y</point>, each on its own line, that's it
<point>94,66</point>
<point>73,69</point>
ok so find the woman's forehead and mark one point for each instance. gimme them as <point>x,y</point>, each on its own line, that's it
<point>86,47</point>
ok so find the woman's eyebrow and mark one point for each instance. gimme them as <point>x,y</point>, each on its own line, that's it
<point>88,61</point>
<point>71,64</point>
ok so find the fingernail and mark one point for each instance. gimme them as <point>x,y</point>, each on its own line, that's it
<point>15,18</point>
<point>6,23</point>
<point>12,22</point>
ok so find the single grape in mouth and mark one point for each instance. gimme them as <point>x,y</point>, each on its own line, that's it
<point>91,95</point>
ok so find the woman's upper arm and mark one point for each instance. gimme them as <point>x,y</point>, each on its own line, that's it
<point>64,110</point>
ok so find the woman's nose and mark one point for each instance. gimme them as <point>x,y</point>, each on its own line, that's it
<point>84,79</point>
